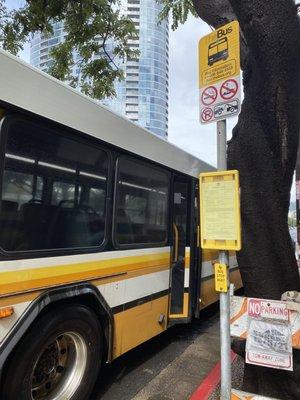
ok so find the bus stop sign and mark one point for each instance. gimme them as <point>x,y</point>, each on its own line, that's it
<point>219,74</point>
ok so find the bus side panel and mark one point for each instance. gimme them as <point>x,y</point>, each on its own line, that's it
<point>134,283</point>
<point>138,324</point>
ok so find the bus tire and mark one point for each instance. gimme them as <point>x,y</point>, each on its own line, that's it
<point>59,357</point>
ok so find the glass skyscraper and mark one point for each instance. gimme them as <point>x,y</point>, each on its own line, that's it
<point>143,95</point>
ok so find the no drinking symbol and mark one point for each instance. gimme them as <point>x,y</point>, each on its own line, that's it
<point>229,89</point>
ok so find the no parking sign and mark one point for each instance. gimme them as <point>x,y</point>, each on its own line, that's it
<point>219,74</point>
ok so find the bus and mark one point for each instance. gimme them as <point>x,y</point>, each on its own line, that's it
<point>217,51</point>
<point>99,237</point>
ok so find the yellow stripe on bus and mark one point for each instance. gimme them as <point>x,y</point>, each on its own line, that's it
<point>22,280</point>
<point>109,270</point>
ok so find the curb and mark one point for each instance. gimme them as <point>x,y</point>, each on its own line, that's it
<point>210,382</point>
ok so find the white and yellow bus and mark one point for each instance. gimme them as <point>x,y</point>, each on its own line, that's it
<point>98,237</point>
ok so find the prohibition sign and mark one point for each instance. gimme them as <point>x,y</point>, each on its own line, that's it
<point>209,95</point>
<point>229,89</point>
<point>207,114</point>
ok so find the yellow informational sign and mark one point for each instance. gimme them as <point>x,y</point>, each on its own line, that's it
<point>220,210</point>
<point>219,54</point>
<point>219,74</point>
<point>221,282</point>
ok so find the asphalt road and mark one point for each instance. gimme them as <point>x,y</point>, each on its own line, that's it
<point>129,374</point>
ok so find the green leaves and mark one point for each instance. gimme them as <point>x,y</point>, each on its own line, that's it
<point>95,42</point>
<point>178,9</point>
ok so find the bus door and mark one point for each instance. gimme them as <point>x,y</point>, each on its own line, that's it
<point>178,299</point>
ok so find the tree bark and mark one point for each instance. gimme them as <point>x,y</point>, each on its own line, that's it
<point>265,142</point>
<point>264,148</point>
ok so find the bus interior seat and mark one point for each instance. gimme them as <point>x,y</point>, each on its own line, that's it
<point>37,226</point>
<point>76,227</point>
<point>38,219</point>
<point>8,206</point>
<point>9,224</point>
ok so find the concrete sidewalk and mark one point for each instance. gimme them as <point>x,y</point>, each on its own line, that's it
<point>181,378</point>
<point>237,377</point>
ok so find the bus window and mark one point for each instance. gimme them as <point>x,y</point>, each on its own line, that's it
<point>141,207</point>
<point>48,179</point>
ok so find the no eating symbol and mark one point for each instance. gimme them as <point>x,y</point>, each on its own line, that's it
<point>207,114</point>
<point>229,89</point>
<point>209,95</point>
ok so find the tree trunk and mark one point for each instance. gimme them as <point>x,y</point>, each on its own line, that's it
<point>265,142</point>
<point>264,148</point>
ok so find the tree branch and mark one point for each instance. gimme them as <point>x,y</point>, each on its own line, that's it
<point>215,12</point>
<point>103,45</point>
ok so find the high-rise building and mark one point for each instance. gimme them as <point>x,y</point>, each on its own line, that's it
<point>143,95</point>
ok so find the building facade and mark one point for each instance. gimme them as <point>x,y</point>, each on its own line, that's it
<point>143,95</point>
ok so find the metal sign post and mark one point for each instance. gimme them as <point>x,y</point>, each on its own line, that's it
<point>220,98</point>
<point>224,297</point>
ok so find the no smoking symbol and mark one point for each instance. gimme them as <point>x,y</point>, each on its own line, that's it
<point>229,89</point>
<point>209,95</point>
<point>207,114</point>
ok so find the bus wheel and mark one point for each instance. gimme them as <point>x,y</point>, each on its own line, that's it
<point>59,358</point>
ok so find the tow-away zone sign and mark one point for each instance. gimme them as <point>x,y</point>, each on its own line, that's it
<point>270,327</point>
<point>269,340</point>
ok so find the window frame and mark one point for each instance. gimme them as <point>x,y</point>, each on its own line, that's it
<point>57,129</point>
<point>148,164</point>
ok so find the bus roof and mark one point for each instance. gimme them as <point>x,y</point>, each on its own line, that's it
<point>27,88</point>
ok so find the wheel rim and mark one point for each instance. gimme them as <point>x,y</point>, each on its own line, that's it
<point>59,368</point>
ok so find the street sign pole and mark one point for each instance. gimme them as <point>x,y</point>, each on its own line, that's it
<point>224,297</point>
<point>220,98</point>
